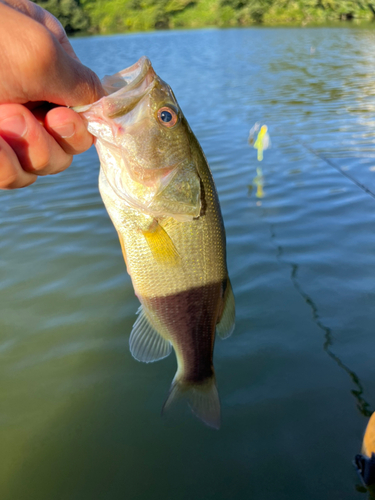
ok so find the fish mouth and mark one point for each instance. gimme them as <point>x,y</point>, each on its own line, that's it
<point>127,87</point>
<point>131,77</point>
<point>124,89</point>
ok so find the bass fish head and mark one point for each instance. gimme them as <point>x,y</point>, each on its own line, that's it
<point>143,141</point>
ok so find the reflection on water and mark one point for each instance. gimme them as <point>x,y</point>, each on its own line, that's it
<point>260,143</point>
<point>77,413</point>
<point>258,181</point>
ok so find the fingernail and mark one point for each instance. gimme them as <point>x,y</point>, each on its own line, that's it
<point>14,127</point>
<point>65,131</point>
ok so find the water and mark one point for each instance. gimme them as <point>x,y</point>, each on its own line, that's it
<point>79,417</point>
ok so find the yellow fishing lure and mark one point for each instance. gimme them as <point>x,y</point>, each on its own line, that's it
<point>262,142</point>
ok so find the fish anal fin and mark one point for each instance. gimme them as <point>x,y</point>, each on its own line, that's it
<point>161,245</point>
<point>226,322</point>
<point>203,399</point>
<point>145,343</point>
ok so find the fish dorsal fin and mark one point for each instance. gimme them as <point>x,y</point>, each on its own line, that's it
<point>161,245</point>
<point>225,326</point>
<point>145,343</point>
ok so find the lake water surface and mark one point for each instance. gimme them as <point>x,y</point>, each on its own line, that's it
<point>79,417</point>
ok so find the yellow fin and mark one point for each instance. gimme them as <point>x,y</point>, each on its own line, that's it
<point>161,245</point>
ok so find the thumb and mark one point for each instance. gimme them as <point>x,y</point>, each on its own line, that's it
<point>74,84</point>
<point>45,18</point>
<point>36,67</point>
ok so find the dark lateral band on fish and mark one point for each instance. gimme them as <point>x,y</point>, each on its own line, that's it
<point>179,313</point>
<point>159,192</point>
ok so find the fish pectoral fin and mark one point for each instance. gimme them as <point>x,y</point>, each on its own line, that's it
<point>146,344</point>
<point>161,245</point>
<point>203,399</point>
<point>225,325</point>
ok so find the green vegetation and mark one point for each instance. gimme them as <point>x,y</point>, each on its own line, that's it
<point>69,12</point>
<point>114,16</point>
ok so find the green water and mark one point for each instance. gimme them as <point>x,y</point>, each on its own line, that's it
<point>79,417</point>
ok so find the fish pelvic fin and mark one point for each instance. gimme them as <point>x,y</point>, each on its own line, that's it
<point>161,245</point>
<point>145,342</point>
<point>203,399</point>
<point>226,323</point>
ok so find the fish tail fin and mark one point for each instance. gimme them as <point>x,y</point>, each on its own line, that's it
<point>202,398</point>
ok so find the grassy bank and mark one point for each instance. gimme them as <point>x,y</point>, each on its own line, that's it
<point>119,16</point>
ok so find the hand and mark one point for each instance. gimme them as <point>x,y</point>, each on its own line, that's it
<point>38,66</point>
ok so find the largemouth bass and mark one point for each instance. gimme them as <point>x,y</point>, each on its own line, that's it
<point>159,192</point>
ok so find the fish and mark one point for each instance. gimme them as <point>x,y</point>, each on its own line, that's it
<point>159,192</point>
<point>365,462</point>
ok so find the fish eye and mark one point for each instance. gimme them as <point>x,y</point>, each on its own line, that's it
<point>167,116</point>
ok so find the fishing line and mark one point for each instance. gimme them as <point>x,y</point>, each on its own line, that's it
<point>336,167</point>
<point>362,405</point>
<point>329,162</point>
<point>358,393</point>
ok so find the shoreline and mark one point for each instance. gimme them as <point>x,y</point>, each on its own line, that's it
<point>352,24</point>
